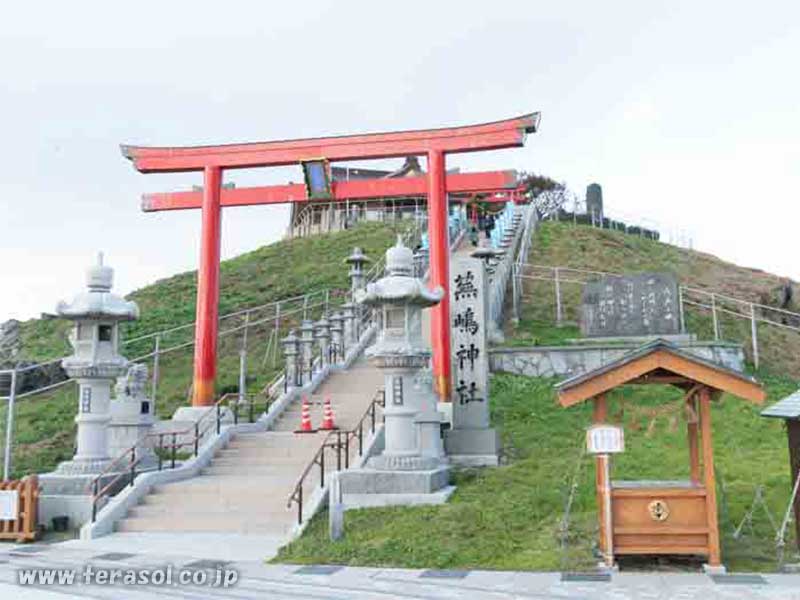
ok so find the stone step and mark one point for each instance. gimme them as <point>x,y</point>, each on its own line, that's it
<point>207,523</point>
<point>254,484</point>
<point>253,511</point>
<point>273,499</point>
<point>301,455</point>
<point>266,453</point>
<point>290,441</point>
<point>283,469</point>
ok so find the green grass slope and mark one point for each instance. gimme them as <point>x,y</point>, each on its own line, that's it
<point>44,429</point>
<point>515,516</point>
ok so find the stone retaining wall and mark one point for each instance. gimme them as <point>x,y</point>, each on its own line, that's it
<point>567,361</point>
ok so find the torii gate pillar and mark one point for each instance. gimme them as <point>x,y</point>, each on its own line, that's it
<point>207,315</point>
<point>440,272</point>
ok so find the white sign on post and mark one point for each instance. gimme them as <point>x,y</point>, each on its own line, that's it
<point>9,505</point>
<point>605,439</point>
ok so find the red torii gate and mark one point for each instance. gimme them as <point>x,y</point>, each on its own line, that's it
<point>434,143</point>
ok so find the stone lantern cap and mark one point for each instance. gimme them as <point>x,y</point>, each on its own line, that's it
<point>399,286</point>
<point>485,253</point>
<point>290,342</point>
<point>98,302</point>
<point>322,328</point>
<point>306,330</point>
<point>357,257</point>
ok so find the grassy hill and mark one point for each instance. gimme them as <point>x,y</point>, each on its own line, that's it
<point>514,516</point>
<point>44,428</point>
<point>566,245</point>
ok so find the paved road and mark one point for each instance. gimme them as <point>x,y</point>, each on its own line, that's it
<point>258,580</point>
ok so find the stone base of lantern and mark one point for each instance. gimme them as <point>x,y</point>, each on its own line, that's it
<point>385,481</point>
<point>70,495</point>
<point>82,467</point>
<point>496,336</point>
<point>472,447</point>
<point>354,501</point>
<point>403,463</point>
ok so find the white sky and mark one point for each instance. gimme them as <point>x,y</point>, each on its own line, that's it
<point>685,112</point>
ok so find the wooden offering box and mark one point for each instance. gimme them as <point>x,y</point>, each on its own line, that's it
<point>661,517</point>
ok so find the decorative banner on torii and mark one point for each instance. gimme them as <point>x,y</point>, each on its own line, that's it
<point>212,160</point>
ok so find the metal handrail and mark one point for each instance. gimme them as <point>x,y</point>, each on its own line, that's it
<point>342,442</point>
<point>226,316</point>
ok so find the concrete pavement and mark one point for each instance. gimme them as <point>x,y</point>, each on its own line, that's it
<point>255,579</point>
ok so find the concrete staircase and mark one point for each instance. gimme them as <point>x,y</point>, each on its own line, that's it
<point>246,486</point>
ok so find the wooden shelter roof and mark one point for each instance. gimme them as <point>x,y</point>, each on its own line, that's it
<point>659,362</point>
<point>788,408</point>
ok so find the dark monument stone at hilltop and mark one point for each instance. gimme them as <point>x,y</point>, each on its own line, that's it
<point>631,305</point>
<point>594,202</point>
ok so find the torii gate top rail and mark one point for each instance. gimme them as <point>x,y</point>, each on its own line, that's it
<point>470,138</point>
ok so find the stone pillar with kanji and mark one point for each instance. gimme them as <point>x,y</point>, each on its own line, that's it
<point>471,441</point>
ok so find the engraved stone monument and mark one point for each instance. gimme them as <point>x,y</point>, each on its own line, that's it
<point>471,441</point>
<point>631,305</point>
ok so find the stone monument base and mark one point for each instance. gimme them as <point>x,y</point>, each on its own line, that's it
<point>384,481</point>
<point>472,447</point>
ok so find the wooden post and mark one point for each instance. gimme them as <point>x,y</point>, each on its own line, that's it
<point>694,448</point>
<point>602,485</point>
<point>709,477</point>
<point>793,432</point>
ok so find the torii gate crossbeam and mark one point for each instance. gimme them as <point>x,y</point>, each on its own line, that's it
<point>357,189</point>
<point>433,143</point>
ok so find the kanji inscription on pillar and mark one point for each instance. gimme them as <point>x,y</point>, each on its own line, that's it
<point>468,306</point>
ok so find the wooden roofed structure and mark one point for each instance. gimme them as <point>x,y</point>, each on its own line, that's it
<point>661,517</point>
<point>788,409</point>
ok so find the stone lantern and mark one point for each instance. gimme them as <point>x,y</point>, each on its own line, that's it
<point>488,255</point>
<point>357,260</point>
<point>413,459</point>
<point>306,351</point>
<point>291,350</point>
<point>322,333</point>
<point>95,364</point>
<point>420,262</point>
<point>337,336</point>
<point>350,324</point>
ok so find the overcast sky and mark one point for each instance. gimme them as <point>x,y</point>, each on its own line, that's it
<point>687,113</point>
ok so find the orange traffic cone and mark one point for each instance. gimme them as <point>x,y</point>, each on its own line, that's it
<point>327,416</point>
<point>305,418</point>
